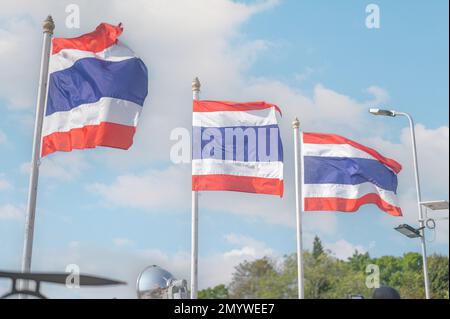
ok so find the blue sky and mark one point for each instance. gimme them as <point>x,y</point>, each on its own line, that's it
<point>408,51</point>
<point>113,212</point>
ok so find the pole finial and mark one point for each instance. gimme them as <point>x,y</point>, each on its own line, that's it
<point>48,25</point>
<point>296,124</point>
<point>196,85</point>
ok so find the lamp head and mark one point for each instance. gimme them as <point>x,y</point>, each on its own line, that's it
<point>157,283</point>
<point>376,111</point>
<point>408,231</point>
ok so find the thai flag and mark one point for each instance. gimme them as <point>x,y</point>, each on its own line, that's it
<point>237,147</point>
<point>342,175</point>
<point>96,90</point>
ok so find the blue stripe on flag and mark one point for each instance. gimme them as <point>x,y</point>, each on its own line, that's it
<point>90,79</point>
<point>348,171</point>
<point>211,143</point>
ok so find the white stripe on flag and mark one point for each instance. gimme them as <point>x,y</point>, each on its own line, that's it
<point>105,110</point>
<point>250,169</point>
<point>334,150</point>
<point>66,58</point>
<point>348,191</point>
<point>235,118</point>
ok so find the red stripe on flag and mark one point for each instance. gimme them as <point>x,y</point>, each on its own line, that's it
<point>246,184</point>
<point>104,36</point>
<point>319,138</point>
<point>217,106</point>
<point>349,205</point>
<point>89,136</point>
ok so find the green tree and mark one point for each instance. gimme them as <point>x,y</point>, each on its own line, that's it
<point>438,271</point>
<point>403,273</point>
<point>412,262</point>
<point>390,270</point>
<point>288,277</point>
<point>325,277</point>
<point>317,248</point>
<point>318,274</point>
<point>358,261</point>
<point>257,279</point>
<point>346,282</point>
<point>217,292</point>
<point>329,277</point>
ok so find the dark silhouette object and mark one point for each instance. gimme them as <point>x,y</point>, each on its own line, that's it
<point>385,292</point>
<point>55,278</point>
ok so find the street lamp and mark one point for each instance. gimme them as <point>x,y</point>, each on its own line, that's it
<point>392,113</point>
<point>382,112</point>
<point>408,231</point>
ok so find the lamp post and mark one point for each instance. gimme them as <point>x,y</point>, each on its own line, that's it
<point>391,113</point>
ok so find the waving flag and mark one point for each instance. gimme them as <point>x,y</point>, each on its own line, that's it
<point>342,175</point>
<point>97,87</point>
<point>237,147</point>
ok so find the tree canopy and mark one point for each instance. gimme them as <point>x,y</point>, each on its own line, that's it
<point>328,277</point>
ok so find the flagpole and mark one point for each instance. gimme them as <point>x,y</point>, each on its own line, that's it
<point>194,219</point>
<point>48,26</point>
<point>298,208</point>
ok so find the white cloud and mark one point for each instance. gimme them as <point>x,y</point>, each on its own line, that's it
<point>218,268</point>
<point>380,96</point>
<point>63,166</point>
<point>170,190</point>
<point>121,242</point>
<point>11,212</point>
<point>153,190</point>
<point>325,108</point>
<point>249,247</point>
<point>126,264</point>
<point>342,249</point>
<point>20,45</point>
<point>433,158</point>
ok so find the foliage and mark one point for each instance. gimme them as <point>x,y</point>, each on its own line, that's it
<point>328,277</point>
<point>317,247</point>
<point>438,269</point>
<point>257,279</point>
<point>217,292</point>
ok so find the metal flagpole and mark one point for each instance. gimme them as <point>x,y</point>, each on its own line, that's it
<point>48,27</point>
<point>298,208</point>
<point>194,221</point>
